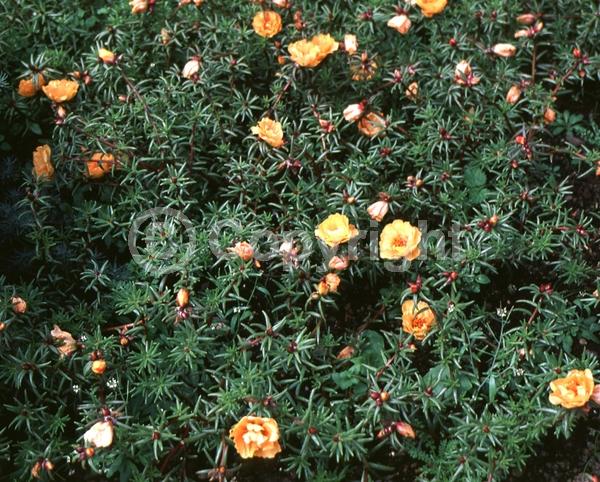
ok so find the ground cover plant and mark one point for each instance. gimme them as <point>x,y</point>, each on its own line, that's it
<point>297,240</point>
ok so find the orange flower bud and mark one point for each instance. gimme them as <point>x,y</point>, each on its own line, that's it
<point>371,124</point>
<point>350,44</point>
<point>412,91</point>
<point>345,353</point>
<point>549,116</point>
<point>338,263</point>
<point>526,18</point>
<point>107,56</point>
<point>504,50</point>
<point>514,94</point>
<point>99,367</point>
<point>19,305</point>
<point>378,210</point>
<point>405,430</point>
<point>354,112</point>
<point>183,297</point>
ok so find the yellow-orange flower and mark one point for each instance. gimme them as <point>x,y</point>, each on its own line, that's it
<point>42,164</point>
<point>429,8</point>
<point>371,124</point>
<point>269,131</point>
<point>311,53</point>
<point>336,229</point>
<point>256,437</point>
<point>100,164</point>
<point>418,319</point>
<point>574,390</point>
<point>267,23</point>
<point>29,87</point>
<point>61,90</point>
<point>400,240</point>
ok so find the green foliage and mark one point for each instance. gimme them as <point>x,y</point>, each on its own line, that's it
<point>254,339</point>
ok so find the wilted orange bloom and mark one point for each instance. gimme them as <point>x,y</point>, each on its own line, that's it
<point>400,239</point>
<point>100,435</point>
<point>42,164</point>
<point>371,124</point>
<point>107,56</point>
<point>30,87</point>
<point>429,8</point>
<point>269,131</point>
<point>400,23</point>
<point>574,390</point>
<point>405,430</point>
<point>549,116</point>
<point>531,31</point>
<point>526,18</point>
<point>338,263</point>
<point>243,249</point>
<point>336,229</point>
<point>267,23</point>
<point>598,168</point>
<point>139,6</point>
<point>412,91</point>
<point>61,90</point>
<point>329,284</point>
<point>514,94</point>
<point>345,353</point>
<point>378,210</point>
<point>363,70</point>
<point>417,320</point>
<point>463,74</point>
<point>256,437</point>
<point>99,367</point>
<point>504,50</point>
<point>350,44</point>
<point>354,112</point>
<point>19,305</point>
<point>100,164</point>
<point>36,469</point>
<point>191,68</point>
<point>183,297</point>
<point>311,53</point>
<point>66,343</point>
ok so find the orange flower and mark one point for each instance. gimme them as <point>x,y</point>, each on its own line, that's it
<point>417,320</point>
<point>345,353</point>
<point>326,43</point>
<point>29,87</point>
<point>100,164</point>
<point>256,437</point>
<point>304,53</point>
<point>61,90</point>
<point>329,284</point>
<point>405,429</point>
<point>42,165</point>
<point>574,390</point>
<point>371,124</point>
<point>269,131</point>
<point>243,249</point>
<point>549,115</point>
<point>311,53</point>
<point>267,23</point>
<point>64,339</point>
<point>336,229</point>
<point>400,240</point>
<point>429,8</point>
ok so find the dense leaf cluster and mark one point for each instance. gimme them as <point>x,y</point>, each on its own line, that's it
<point>254,339</point>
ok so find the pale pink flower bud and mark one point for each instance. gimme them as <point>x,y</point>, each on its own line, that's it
<point>350,44</point>
<point>514,94</point>
<point>100,435</point>
<point>338,263</point>
<point>504,50</point>
<point>400,23</point>
<point>191,68</point>
<point>353,112</point>
<point>378,210</point>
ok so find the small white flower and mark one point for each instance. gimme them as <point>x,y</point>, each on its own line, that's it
<point>112,383</point>
<point>76,388</point>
